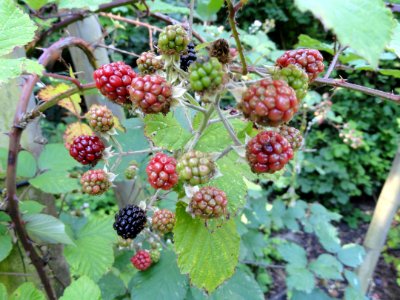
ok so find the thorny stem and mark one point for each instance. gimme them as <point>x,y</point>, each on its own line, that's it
<point>337,83</point>
<point>116,49</point>
<point>232,22</point>
<point>334,62</point>
<point>140,151</point>
<point>226,117</point>
<point>225,152</point>
<point>119,156</point>
<point>63,77</point>
<point>227,125</point>
<point>49,55</point>
<point>130,21</point>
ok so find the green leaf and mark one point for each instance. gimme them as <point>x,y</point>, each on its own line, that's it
<point>208,8</point>
<point>351,255</point>
<point>208,254</point>
<point>134,132</point>
<point>3,292</point>
<point>327,236</point>
<point>294,254</point>
<point>27,291</point>
<point>316,294</point>
<point>5,246</point>
<point>327,266</point>
<point>232,181</point>
<point>394,44</point>
<point>56,157</point>
<point>26,165</point>
<point>308,42</point>
<point>367,38</point>
<point>16,28</point>
<point>216,138</point>
<point>111,287</point>
<point>92,255</point>
<point>46,229</point>
<point>36,4</point>
<point>165,131</point>
<point>166,8</point>
<point>12,68</point>
<point>83,289</point>
<point>55,182</point>
<point>30,207</point>
<point>351,293</point>
<point>90,4</point>
<point>4,217</point>
<point>299,278</point>
<point>163,281</point>
<point>352,279</point>
<point>241,286</point>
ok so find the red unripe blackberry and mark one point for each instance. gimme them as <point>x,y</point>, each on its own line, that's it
<point>148,63</point>
<point>293,136</point>
<point>209,202</point>
<point>268,152</point>
<point>141,260</point>
<point>161,171</point>
<point>100,118</point>
<point>87,149</point>
<point>113,79</point>
<point>163,221</point>
<point>95,182</point>
<point>310,60</point>
<point>269,102</point>
<point>151,93</point>
<point>130,221</point>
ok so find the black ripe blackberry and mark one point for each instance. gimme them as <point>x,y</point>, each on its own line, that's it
<point>129,221</point>
<point>189,58</point>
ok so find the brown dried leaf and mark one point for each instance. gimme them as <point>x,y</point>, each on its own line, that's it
<point>74,130</point>
<point>71,103</point>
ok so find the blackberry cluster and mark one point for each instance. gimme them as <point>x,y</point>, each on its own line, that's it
<point>206,74</point>
<point>268,152</point>
<point>293,136</point>
<point>195,167</point>
<point>87,149</point>
<point>112,81</point>
<point>269,102</point>
<point>209,202</point>
<point>141,260</point>
<point>130,221</point>
<point>188,58</point>
<point>95,182</point>
<point>100,118</point>
<point>163,221</point>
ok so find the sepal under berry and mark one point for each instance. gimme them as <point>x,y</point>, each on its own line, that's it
<point>195,167</point>
<point>130,221</point>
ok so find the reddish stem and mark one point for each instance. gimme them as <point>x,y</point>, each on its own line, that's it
<point>49,55</point>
